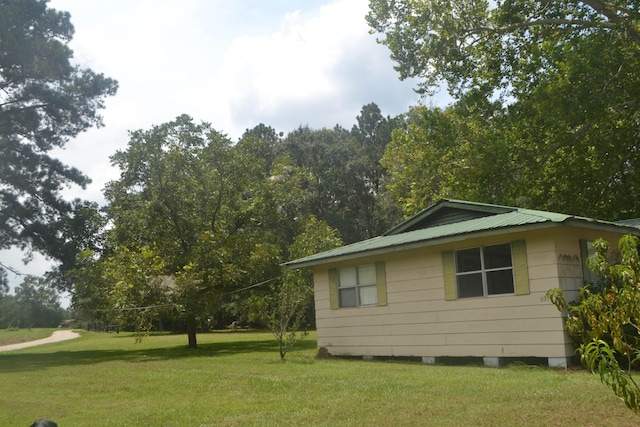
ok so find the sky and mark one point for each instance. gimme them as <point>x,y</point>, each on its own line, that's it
<point>232,63</point>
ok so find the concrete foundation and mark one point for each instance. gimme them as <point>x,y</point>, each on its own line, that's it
<point>493,362</point>
<point>558,362</point>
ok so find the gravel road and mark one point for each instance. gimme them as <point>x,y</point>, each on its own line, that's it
<point>55,337</point>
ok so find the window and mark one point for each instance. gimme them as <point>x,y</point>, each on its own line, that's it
<point>484,271</point>
<point>358,286</point>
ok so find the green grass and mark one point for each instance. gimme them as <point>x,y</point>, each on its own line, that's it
<point>237,379</point>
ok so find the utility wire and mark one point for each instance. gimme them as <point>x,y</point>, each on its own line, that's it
<point>175,303</point>
<point>252,286</point>
<point>11,269</point>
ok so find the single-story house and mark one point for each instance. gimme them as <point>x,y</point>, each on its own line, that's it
<point>459,279</point>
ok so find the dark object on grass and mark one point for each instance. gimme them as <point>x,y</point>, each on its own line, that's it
<point>44,423</point>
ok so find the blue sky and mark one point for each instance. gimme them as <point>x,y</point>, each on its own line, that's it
<point>232,63</point>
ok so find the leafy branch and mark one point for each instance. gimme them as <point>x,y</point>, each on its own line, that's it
<point>605,319</point>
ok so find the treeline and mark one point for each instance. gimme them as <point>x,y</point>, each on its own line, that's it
<point>32,305</point>
<point>195,220</point>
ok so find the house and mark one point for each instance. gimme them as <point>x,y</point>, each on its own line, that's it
<point>459,279</point>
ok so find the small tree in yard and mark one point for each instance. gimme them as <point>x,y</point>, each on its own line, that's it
<point>284,309</point>
<point>605,319</point>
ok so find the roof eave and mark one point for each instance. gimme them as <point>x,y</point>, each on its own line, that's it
<point>602,225</point>
<point>570,221</point>
<point>419,244</point>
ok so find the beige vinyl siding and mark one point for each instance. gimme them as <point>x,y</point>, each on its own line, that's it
<point>571,261</point>
<point>418,320</point>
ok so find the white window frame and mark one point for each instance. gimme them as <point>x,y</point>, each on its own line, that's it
<point>358,285</point>
<point>483,272</point>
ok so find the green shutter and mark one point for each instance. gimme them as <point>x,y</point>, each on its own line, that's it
<point>448,270</point>
<point>584,254</point>
<point>334,302</point>
<point>381,283</point>
<point>520,268</point>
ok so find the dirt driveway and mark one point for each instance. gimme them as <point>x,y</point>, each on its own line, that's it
<point>55,337</point>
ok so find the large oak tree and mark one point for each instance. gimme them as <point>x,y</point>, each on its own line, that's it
<point>194,201</point>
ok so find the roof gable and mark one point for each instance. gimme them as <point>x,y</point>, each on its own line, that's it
<point>448,211</point>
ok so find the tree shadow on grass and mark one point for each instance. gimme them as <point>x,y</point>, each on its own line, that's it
<point>24,361</point>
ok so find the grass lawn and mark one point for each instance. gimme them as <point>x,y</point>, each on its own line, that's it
<point>237,379</point>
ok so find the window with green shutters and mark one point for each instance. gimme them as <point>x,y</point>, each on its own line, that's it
<point>358,286</point>
<point>486,270</point>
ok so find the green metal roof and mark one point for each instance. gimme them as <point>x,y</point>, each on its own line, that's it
<point>464,222</point>
<point>635,222</point>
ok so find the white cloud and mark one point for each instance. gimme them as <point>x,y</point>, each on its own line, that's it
<point>234,63</point>
<point>317,70</point>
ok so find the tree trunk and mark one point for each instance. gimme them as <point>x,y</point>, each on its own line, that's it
<point>191,332</point>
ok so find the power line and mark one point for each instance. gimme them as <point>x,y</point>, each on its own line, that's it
<point>11,269</point>
<point>175,303</point>
<point>252,286</point>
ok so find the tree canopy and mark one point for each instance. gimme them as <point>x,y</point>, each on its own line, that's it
<point>341,176</point>
<point>44,101</point>
<point>500,46</point>
<point>193,200</point>
<point>545,102</point>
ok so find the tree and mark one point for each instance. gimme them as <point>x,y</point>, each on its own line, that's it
<point>91,293</point>
<point>548,88</point>
<point>341,176</point>
<point>376,213</point>
<point>44,101</point>
<point>262,141</point>
<point>422,159</point>
<point>34,305</point>
<point>81,232</point>
<point>4,283</point>
<point>451,153</point>
<point>326,159</point>
<point>197,201</point>
<point>497,45</point>
<point>284,307</point>
<point>605,318</point>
